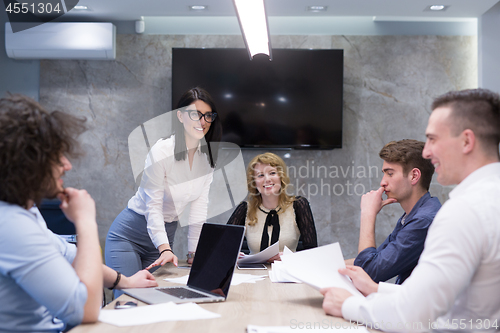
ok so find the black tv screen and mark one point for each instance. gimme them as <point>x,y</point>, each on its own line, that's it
<point>293,101</point>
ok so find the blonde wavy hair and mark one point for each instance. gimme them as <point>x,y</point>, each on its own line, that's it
<point>254,197</point>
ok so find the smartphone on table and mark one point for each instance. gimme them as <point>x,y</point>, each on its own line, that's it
<point>125,304</point>
<point>252,266</point>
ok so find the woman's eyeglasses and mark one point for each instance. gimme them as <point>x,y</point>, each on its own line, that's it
<point>196,115</point>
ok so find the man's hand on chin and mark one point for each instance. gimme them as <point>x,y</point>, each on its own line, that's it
<point>334,298</point>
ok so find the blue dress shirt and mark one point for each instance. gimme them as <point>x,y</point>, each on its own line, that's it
<point>39,289</point>
<point>399,253</point>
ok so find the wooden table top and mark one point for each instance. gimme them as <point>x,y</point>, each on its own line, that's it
<point>262,303</point>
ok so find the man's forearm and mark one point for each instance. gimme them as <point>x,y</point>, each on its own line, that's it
<point>88,267</point>
<point>109,276</point>
<point>367,231</point>
<point>349,261</point>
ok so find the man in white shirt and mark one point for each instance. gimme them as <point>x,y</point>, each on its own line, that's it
<point>455,284</point>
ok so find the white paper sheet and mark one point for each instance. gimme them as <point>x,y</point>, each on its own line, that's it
<point>286,251</point>
<point>246,278</point>
<point>318,267</point>
<point>341,327</point>
<point>278,274</point>
<point>262,256</point>
<point>236,280</point>
<point>149,314</point>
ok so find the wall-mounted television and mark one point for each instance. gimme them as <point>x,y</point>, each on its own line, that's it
<point>293,101</point>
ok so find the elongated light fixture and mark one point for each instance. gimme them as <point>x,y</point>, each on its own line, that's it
<point>253,23</point>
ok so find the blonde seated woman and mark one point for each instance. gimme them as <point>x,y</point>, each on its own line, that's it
<point>271,214</point>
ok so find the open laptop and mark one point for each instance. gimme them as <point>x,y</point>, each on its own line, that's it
<point>211,272</point>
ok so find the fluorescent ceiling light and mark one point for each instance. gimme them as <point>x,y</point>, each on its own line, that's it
<point>198,7</point>
<point>436,8</point>
<point>253,23</point>
<point>316,9</point>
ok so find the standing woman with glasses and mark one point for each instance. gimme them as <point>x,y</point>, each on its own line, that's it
<point>178,171</point>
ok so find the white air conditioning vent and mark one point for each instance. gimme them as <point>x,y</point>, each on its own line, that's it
<point>86,41</point>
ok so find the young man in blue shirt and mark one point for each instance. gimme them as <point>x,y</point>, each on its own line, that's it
<point>406,180</point>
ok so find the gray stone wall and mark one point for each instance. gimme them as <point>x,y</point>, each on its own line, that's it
<point>389,84</point>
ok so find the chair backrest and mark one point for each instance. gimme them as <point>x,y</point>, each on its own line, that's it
<point>55,218</point>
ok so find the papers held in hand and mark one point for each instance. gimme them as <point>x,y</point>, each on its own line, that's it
<point>319,268</point>
<point>261,257</point>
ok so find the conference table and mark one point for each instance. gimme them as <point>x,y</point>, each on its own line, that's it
<point>262,303</point>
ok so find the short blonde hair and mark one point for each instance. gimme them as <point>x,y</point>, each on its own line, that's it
<point>254,197</point>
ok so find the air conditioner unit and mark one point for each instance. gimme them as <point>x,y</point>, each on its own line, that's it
<point>65,40</point>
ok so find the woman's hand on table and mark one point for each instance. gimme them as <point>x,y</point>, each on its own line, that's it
<point>166,256</point>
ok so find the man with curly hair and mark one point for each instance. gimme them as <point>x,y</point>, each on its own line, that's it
<point>46,283</point>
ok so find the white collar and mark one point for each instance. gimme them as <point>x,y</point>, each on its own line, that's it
<point>479,174</point>
<point>198,149</point>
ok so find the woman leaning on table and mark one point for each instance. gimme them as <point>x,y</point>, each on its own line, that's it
<point>178,171</point>
<point>270,214</point>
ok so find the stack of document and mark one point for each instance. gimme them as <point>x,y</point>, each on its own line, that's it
<point>278,271</point>
<point>319,268</point>
<point>150,314</point>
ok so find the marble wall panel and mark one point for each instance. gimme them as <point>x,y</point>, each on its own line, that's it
<point>389,84</point>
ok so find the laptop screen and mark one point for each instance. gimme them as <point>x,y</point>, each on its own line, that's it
<point>216,256</point>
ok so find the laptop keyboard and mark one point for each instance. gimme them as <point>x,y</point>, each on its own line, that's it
<point>181,292</point>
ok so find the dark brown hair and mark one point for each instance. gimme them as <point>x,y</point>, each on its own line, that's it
<point>474,109</point>
<point>214,133</point>
<point>408,153</point>
<point>32,141</point>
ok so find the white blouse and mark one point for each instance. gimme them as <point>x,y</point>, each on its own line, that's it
<point>289,231</point>
<point>168,186</point>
